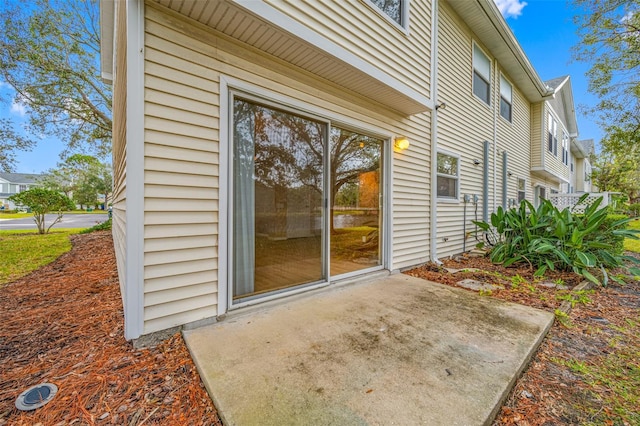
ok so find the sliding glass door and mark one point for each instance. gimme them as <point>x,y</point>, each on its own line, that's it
<point>356,207</point>
<point>306,200</point>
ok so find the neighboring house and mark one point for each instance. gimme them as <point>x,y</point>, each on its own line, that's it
<point>263,148</point>
<point>13,183</point>
<point>582,152</point>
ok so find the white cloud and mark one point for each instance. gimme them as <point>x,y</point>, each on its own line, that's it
<point>17,108</point>
<point>510,8</point>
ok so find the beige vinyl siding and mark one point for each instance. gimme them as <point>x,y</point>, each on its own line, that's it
<point>538,141</point>
<point>462,128</point>
<point>119,149</point>
<point>364,31</point>
<point>514,138</point>
<point>182,163</point>
<point>553,163</point>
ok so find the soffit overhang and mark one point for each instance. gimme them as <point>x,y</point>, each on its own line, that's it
<point>263,27</point>
<point>488,25</point>
<point>549,175</point>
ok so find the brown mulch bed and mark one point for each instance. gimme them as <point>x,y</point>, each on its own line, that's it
<point>63,324</point>
<point>550,393</point>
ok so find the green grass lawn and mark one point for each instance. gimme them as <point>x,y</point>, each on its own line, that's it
<point>26,251</point>
<point>629,244</point>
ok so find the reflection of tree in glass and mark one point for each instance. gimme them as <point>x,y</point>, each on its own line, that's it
<point>288,150</point>
<point>391,7</point>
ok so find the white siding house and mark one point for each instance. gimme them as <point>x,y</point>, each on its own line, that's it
<point>264,148</point>
<point>14,183</point>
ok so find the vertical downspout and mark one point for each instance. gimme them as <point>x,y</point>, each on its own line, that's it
<point>505,173</point>
<point>496,108</point>
<point>485,181</point>
<point>134,284</point>
<point>433,226</point>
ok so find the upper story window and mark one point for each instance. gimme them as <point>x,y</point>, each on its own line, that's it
<point>552,139</point>
<point>522,189</point>
<point>397,10</point>
<point>481,75</point>
<point>565,148</point>
<point>505,98</point>
<point>448,172</point>
<point>23,188</point>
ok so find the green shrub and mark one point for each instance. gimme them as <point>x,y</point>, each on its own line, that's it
<point>616,240</point>
<point>104,226</point>
<point>548,238</point>
<point>634,209</point>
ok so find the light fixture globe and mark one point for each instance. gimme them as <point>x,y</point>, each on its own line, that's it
<point>401,143</point>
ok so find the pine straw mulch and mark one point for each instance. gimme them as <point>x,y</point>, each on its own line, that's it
<point>63,324</point>
<point>550,392</point>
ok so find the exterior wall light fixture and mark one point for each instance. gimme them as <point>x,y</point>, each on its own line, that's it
<point>401,143</point>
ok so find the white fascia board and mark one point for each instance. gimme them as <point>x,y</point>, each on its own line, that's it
<point>134,284</point>
<point>107,22</point>
<point>296,29</point>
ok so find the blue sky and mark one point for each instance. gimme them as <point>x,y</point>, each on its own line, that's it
<point>546,33</point>
<point>543,27</point>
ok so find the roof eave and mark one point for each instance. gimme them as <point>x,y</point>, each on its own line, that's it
<point>494,31</point>
<point>106,39</point>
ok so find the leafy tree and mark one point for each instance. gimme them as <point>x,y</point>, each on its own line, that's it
<point>49,54</point>
<point>11,141</point>
<point>617,168</point>
<point>42,201</point>
<point>81,177</point>
<point>610,41</point>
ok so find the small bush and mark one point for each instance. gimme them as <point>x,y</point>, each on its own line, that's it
<point>548,238</point>
<point>634,209</point>
<point>104,226</point>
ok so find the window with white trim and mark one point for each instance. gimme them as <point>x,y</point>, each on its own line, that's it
<point>552,142</point>
<point>396,10</point>
<point>448,175</point>
<point>481,75</point>
<point>522,190</point>
<point>505,99</point>
<point>565,148</point>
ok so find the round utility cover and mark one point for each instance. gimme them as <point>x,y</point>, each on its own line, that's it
<point>36,396</point>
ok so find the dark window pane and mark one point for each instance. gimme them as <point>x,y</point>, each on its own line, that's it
<point>505,109</point>
<point>392,8</point>
<point>481,87</point>
<point>447,187</point>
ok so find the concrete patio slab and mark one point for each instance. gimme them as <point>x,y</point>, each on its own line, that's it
<point>396,350</point>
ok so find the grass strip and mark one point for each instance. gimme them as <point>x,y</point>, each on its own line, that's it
<point>25,251</point>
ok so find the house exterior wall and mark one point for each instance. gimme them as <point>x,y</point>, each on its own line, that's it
<point>538,134</point>
<point>464,126</point>
<point>119,146</point>
<point>553,163</point>
<point>184,67</point>
<point>402,53</point>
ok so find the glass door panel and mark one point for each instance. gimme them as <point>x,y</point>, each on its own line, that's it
<point>278,194</point>
<point>355,203</point>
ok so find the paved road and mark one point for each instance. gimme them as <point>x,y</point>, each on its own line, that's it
<point>71,220</point>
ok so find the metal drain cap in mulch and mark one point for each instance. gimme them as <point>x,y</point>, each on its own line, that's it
<point>36,396</point>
